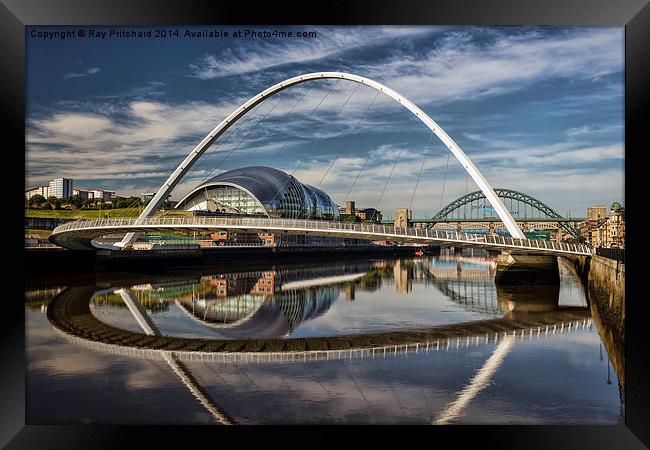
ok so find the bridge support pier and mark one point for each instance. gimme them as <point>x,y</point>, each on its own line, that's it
<point>527,269</point>
<point>517,299</point>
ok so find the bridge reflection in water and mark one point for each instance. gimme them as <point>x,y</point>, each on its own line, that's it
<point>255,313</point>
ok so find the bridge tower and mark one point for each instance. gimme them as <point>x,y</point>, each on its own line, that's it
<point>403,217</point>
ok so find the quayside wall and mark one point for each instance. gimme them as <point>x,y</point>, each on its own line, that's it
<point>604,279</point>
<point>605,282</point>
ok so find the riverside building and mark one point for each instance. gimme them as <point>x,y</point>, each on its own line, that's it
<point>261,191</point>
<point>61,187</point>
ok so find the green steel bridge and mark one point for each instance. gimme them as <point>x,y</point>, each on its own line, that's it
<point>475,208</point>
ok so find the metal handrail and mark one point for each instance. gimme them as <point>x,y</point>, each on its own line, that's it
<point>304,224</point>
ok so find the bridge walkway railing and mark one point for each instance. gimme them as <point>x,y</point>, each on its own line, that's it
<point>306,225</point>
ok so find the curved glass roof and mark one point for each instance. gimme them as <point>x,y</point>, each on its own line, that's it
<point>263,317</point>
<point>281,194</point>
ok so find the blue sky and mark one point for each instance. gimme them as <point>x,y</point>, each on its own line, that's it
<point>538,109</point>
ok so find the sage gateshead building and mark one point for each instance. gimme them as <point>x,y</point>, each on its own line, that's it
<point>264,192</point>
<point>260,191</point>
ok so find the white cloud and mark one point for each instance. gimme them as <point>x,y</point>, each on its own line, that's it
<point>460,68</point>
<point>75,126</point>
<point>93,146</point>
<point>590,130</point>
<point>89,145</point>
<point>145,138</point>
<point>126,141</point>
<point>561,153</point>
<point>491,142</point>
<point>264,55</point>
<point>86,73</point>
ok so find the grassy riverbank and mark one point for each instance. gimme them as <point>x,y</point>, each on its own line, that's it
<point>82,214</point>
<point>94,213</point>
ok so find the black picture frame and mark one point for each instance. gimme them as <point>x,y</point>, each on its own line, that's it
<point>634,15</point>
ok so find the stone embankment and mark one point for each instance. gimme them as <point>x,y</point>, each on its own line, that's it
<point>604,279</point>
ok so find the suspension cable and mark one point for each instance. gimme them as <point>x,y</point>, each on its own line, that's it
<point>207,158</point>
<point>159,181</point>
<point>399,154</point>
<point>254,127</point>
<point>310,114</point>
<point>356,178</point>
<point>363,166</point>
<point>353,130</point>
<point>313,146</point>
<point>387,182</point>
<point>424,156</point>
<point>321,137</point>
<point>444,182</point>
<point>282,120</point>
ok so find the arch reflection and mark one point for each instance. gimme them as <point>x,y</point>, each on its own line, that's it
<point>235,302</point>
<point>255,304</point>
<point>256,312</point>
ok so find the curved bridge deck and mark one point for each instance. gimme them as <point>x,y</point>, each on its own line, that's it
<point>79,234</point>
<point>70,314</point>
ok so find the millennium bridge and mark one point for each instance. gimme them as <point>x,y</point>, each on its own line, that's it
<point>82,235</point>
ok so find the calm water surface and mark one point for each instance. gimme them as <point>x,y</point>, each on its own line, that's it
<point>560,376</point>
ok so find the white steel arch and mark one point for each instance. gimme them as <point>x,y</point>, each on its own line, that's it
<point>453,147</point>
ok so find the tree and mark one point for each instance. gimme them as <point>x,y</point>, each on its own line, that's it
<point>76,201</point>
<point>350,218</point>
<point>118,202</point>
<point>54,202</point>
<point>37,200</point>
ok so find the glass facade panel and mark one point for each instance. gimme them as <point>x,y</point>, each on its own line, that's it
<point>261,191</point>
<point>227,200</point>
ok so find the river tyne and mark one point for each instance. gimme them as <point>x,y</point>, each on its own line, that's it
<point>415,340</point>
